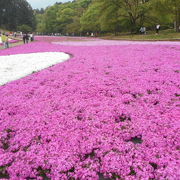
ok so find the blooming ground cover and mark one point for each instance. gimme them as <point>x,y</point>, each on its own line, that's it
<point>99,42</point>
<point>109,112</point>
<point>17,66</point>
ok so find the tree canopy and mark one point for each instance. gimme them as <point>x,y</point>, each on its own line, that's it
<point>82,16</point>
<point>14,13</point>
<point>98,16</point>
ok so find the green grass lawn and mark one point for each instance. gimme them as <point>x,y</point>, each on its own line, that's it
<point>166,35</point>
<point>12,44</point>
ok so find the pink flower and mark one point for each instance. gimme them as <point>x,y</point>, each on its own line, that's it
<point>110,111</point>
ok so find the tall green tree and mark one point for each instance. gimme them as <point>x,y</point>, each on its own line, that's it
<point>40,23</point>
<point>14,13</point>
<point>172,7</point>
<point>63,17</point>
<point>50,22</point>
<point>90,19</point>
<point>129,13</point>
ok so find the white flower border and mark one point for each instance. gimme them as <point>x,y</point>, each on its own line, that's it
<point>13,67</point>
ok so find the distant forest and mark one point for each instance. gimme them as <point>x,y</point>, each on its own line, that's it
<point>16,13</point>
<point>86,16</point>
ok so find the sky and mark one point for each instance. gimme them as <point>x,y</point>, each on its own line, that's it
<point>43,3</point>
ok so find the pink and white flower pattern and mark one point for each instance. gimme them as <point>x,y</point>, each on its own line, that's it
<point>109,112</point>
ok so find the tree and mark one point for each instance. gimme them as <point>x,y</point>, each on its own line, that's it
<point>69,14</point>
<point>40,23</point>
<point>173,7</point>
<point>89,21</point>
<point>49,21</point>
<point>125,12</point>
<point>24,28</point>
<point>81,16</point>
<point>14,13</point>
<point>166,12</point>
<point>65,17</point>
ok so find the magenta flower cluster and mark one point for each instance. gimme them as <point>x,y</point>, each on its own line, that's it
<point>108,112</point>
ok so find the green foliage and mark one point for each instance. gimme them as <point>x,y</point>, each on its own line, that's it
<point>89,20</point>
<point>14,13</point>
<point>65,16</point>
<point>49,20</point>
<point>24,28</point>
<point>40,25</point>
<point>81,16</point>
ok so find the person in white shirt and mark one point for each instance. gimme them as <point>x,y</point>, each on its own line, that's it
<point>157,28</point>
<point>143,30</point>
<point>31,37</point>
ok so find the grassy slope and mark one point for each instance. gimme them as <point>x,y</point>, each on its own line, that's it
<point>12,44</point>
<point>169,35</point>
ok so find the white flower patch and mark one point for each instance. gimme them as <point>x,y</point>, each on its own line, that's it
<point>13,67</point>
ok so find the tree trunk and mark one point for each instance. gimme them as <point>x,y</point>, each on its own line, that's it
<point>178,19</point>
<point>133,26</point>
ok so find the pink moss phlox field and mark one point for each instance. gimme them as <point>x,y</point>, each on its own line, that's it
<point>108,112</point>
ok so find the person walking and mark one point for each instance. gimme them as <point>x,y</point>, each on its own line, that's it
<point>6,41</point>
<point>15,34</point>
<point>157,28</point>
<point>31,37</point>
<point>3,39</point>
<point>25,38</point>
<point>143,30</point>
